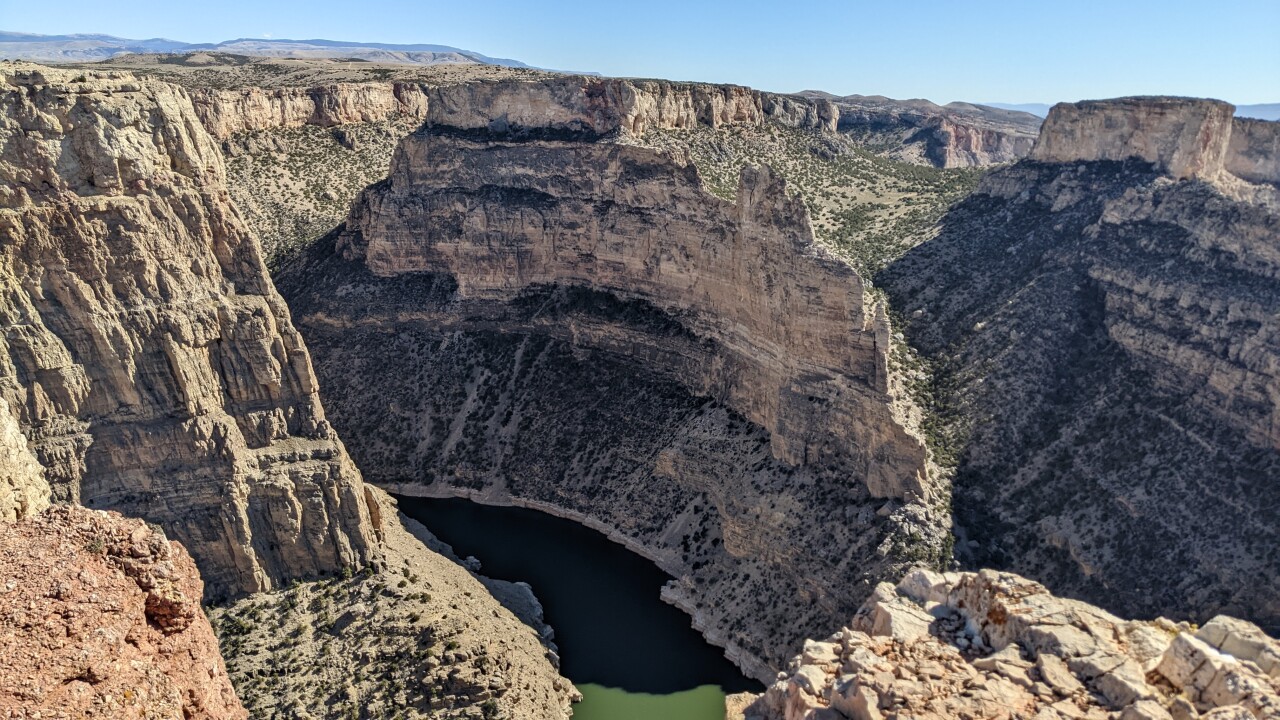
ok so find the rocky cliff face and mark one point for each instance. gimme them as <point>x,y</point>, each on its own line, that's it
<point>228,111</point>
<point>100,617</point>
<point>995,645</point>
<point>1179,137</point>
<point>530,315</point>
<point>788,321</point>
<point>1105,322</point>
<point>609,106</point>
<point>1253,153</point>
<point>142,338</point>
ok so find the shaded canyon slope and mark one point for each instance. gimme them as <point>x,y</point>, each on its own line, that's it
<point>144,352</point>
<point>1105,317</point>
<point>533,310</point>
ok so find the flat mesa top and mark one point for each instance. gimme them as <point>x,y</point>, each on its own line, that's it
<point>229,71</point>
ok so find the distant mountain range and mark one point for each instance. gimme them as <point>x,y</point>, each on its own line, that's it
<point>1265,111</point>
<point>91,47</point>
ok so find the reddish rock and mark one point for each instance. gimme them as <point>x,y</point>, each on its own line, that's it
<point>100,617</point>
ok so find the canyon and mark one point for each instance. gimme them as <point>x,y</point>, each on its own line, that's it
<point>581,295</point>
<point>1103,316</point>
<point>492,414</point>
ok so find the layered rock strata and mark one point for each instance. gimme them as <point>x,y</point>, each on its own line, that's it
<point>142,338</point>
<point>788,321</point>
<point>1180,137</point>
<point>613,106</point>
<point>535,316</point>
<point>995,645</point>
<point>228,111</point>
<point>1105,320</point>
<point>100,617</point>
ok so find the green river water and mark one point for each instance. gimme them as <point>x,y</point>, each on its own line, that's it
<point>633,656</point>
<point>602,703</point>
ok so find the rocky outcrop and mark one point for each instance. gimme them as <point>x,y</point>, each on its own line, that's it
<point>1104,319</point>
<point>950,142</point>
<point>100,617</point>
<point>228,111</point>
<point>995,645</point>
<point>141,338</point>
<point>577,325</point>
<point>1180,137</point>
<point>23,489</point>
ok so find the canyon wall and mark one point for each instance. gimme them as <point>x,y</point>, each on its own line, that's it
<point>145,354</point>
<point>636,224</point>
<point>1181,137</point>
<point>102,618</point>
<point>609,106</point>
<point>1104,317</point>
<point>968,136</point>
<point>535,316</point>
<point>228,111</point>
<point>1253,153</point>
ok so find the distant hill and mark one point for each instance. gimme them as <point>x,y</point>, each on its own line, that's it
<point>1266,111</point>
<point>91,47</point>
<point>1037,109</point>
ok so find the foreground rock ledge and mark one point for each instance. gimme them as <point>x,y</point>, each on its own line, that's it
<point>996,645</point>
<point>100,617</point>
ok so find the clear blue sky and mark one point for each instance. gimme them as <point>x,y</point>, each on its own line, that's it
<point>983,50</point>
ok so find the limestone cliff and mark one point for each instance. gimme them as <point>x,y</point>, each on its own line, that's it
<point>144,351</point>
<point>100,617</point>
<point>532,315</point>
<point>994,645</point>
<point>228,111</point>
<point>1253,153</point>
<point>1180,137</point>
<point>1104,317</point>
<point>788,321</point>
<point>610,106</point>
